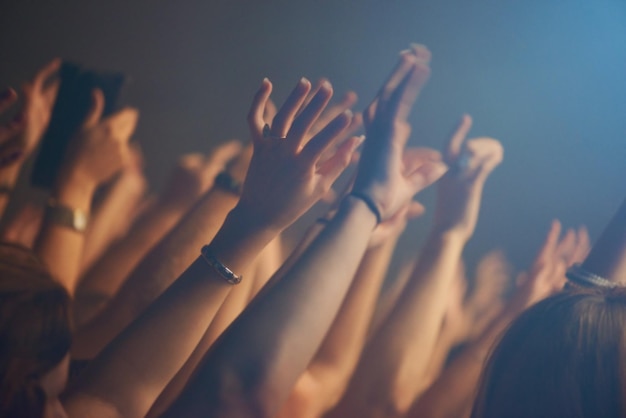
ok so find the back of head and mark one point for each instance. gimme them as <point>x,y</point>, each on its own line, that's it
<point>35,332</point>
<point>564,357</point>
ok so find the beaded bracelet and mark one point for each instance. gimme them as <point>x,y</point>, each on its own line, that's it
<point>578,275</point>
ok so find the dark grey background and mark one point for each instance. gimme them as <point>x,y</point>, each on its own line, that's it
<point>546,77</point>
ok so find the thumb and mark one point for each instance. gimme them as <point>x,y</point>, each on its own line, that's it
<point>427,174</point>
<point>97,107</point>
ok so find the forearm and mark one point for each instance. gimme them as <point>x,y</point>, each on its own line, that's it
<point>163,264</point>
<point>452,394</point>
<point>392,371</point>
<point>270,262</point>
<point>59,246</point>
<point>110,220</point>
<point>130,378</point>
<point>445,343</point>
<point>107,275</point>
<point>389,297</point>
<point>608,256</point>
<point>338,356</point>
<point>234,304</point>
<point>296,314</point>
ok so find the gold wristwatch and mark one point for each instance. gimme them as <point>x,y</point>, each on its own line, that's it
<point>62,215</point>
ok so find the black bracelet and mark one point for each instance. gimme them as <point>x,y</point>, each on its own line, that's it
<point>370,204</point>
<point>227,183</point>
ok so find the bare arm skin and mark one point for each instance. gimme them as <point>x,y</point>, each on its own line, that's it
<point>191,178</point>
<point>394,367</point>
<point>280,186</point>
<point>285,325</point>
<point>98,151</point>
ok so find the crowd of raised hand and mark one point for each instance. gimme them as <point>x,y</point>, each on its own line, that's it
<point>114,303</point>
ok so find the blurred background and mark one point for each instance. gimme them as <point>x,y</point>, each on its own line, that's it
<point>546,77</point>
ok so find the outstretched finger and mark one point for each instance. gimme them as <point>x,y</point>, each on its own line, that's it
<point>284,118</point>
<point>45,73</point>
<point>123,123</point>
<point>317,145</point>
<point>97,107</point>
<point>413,158</point>
<point>269,113</point>
<point>256,113</point>
<point>404,97</point>
<point>331,112</point>
<point>426,174</point>
<point>583,245</point>
<point>421,52</point>
<point>351,130</point>
<point>454,145</point>
<point>332,168</point>
<point>567,246</point>
<point>309,115</point>
<point>403,67</point>
<point>552,239</point>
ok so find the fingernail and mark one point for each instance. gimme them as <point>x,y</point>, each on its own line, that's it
<point>304,81</point>
<point>265,80</point>
<point>348,113</point>
<point>326,85</point>
<point>405,51</point>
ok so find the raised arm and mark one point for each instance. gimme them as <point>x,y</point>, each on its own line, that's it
<point>452,394</point>
<point>191,178</point>
<point>123,195</point>
<point>95,154</point>
<point>322,384</point>
<point>281,184</point>
<point>161,266</point>
<point>392,371</point>
<point>284,326</point>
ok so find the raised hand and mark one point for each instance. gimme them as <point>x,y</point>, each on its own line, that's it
<point>194,174</point>
<point>101,147</point>
<point>460,190</point>
<point>286,175</point>
<point>546,275</point>
<point>383,176</point>
<point>413,158</point>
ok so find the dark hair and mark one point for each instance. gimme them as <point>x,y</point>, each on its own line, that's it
<point>35,331</point>
<point>564,357</point>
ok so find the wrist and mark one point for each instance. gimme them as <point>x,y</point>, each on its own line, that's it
<point>355,204</point>
<point>74,192</point>
<point>452,234</point>
<point>448,237</point>
<point>240,230</point>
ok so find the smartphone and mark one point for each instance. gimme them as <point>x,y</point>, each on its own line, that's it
<point>73,102</point>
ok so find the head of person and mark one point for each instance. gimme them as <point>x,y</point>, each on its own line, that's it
<point>564,357</point>
<point>35,337</point>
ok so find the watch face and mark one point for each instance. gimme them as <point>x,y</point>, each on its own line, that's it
<point>80,221</point>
